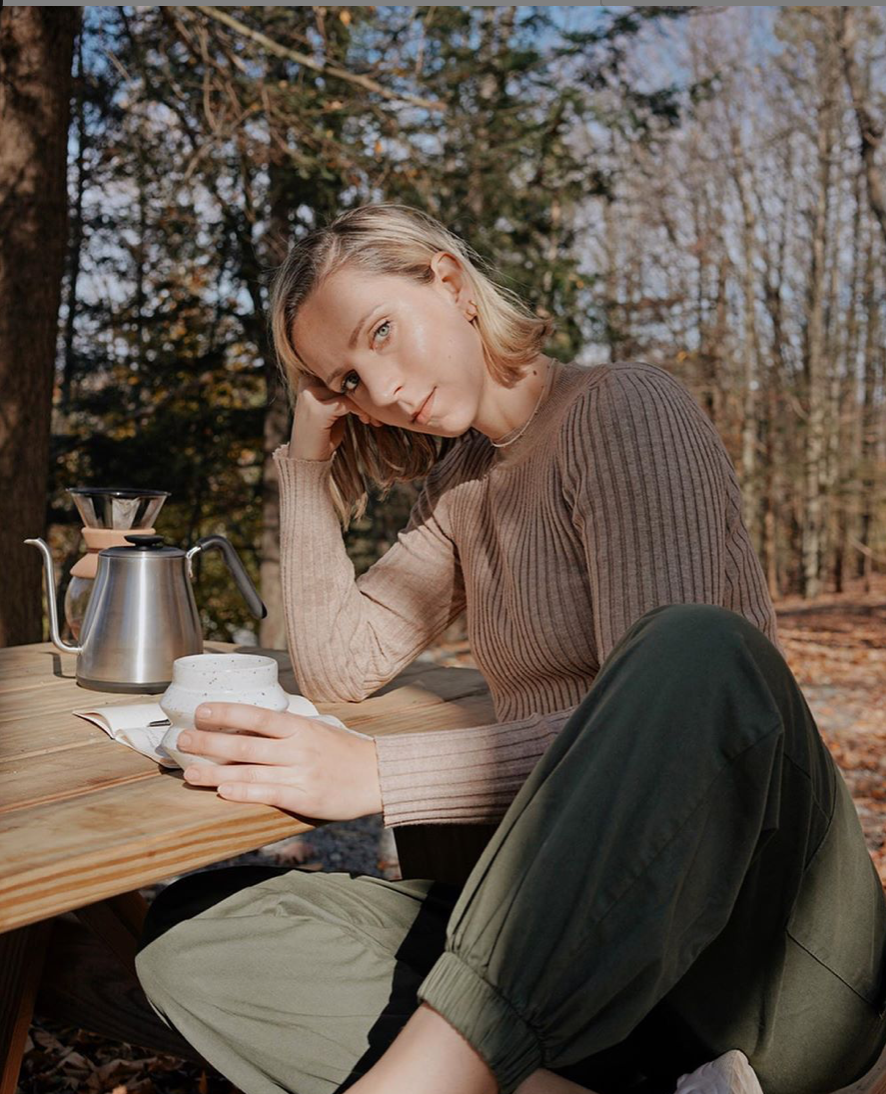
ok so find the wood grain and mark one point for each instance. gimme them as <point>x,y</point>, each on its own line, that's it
<point>36,778</point>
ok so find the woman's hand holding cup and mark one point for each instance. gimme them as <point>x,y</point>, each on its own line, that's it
<point>319,422</point>
<point>298,764</point>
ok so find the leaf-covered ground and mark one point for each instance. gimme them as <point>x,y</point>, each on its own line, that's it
<point>835,647</point>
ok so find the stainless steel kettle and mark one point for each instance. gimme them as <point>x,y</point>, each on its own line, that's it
<point>142,614</point>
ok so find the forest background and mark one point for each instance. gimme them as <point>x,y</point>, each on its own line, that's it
<point>695,187</point>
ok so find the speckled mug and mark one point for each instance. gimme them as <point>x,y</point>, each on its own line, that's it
<point>220,677</point>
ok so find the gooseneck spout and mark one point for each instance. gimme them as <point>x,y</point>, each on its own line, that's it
<point>50,599</point>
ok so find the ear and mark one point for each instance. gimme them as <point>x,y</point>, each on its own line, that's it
<point>450,277</point>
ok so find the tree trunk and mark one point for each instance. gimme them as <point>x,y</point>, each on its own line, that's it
<point>815,376</point>
<point>272,629</point>
<point>834,378</point>
<point>751,379</point>
<point>848,406</point>
<point>76,240</point>
<point>720,336</point>
<point>611,242</point>
<point>488,89</point>
<point>870,128</point>
<point>869,411</point>
<point>775,382</point>
<point>771,486</point>
<point>36,50</point>
<point>706,364</point>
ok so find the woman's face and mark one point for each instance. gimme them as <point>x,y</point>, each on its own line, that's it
<point>389,344</point>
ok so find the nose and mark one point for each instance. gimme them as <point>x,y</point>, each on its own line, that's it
<point>384,386</point>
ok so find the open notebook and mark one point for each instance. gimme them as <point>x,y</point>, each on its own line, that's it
<point>142,725</point>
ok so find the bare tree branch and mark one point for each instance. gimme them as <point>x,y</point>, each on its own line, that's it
<point>309,62</point>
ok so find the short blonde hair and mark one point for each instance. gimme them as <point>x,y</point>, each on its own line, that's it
<point>391,239</point>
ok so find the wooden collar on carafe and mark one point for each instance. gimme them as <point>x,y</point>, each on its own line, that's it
<point>99,538</point>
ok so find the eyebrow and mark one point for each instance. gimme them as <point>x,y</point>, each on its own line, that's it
<point>351,343</point>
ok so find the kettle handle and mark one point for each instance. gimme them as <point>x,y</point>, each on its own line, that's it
<point>238,570</point>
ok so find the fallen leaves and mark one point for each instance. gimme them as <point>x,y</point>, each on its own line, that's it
<point>836,648</point>
<point>76,1060</point>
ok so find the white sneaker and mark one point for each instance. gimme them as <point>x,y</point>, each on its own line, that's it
<point>728,1074</point>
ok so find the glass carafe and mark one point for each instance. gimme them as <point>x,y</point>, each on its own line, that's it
<point>109,515</point>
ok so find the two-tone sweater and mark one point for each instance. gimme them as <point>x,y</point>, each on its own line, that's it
<point>618,497</point>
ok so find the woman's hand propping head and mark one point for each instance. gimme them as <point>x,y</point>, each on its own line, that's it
<point>319,423</point>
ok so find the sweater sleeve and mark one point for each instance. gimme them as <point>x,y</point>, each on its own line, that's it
<point>347,635</point>
<point>648,480</point>
<point>460,776</point>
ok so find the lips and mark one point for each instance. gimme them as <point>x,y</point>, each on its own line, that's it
<point>423,413</point>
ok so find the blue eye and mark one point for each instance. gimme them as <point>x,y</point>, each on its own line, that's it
<point>345,389</point>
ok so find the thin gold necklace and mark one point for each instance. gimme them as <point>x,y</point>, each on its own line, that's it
<point>504,444</point>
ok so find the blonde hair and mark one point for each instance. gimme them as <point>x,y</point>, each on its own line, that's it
<point>387,238</point>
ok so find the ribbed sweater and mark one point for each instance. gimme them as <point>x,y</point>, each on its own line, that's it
<point>619,497</point>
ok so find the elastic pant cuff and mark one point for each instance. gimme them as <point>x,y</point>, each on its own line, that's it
<point>487,1021</point>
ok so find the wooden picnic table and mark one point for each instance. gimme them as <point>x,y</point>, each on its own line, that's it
<point>86,822</point>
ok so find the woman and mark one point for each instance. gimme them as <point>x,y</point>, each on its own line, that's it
<point>677,893</point>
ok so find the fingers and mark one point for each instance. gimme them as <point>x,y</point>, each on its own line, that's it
<point>241,775</point>
<point>335,400</point>
<point>341,405</point>
<point>365,417</point>
<point>247,719</point>
<point>307,382</point>
<point>320,394</point>
<point>268,785</point>
<point>284,797</point>
<point>233,747</point>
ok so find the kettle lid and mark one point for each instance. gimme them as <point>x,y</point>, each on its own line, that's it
<point>152,546</point>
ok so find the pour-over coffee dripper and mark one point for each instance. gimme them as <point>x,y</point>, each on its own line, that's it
<point>109,514</point>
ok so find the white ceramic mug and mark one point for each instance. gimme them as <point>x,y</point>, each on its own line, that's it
<point>220,677</point>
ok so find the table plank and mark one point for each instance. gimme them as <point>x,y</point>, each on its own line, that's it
<point>19,665</point>
<point>60,855</point>
<point>69,773</point>
<point>39,735</point>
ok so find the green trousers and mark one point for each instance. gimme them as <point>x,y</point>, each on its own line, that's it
<point>683,872</point>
